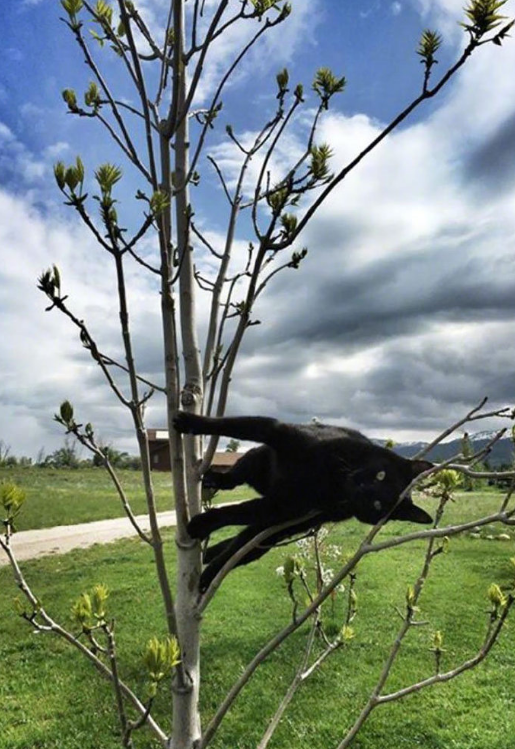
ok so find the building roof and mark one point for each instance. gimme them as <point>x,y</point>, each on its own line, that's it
<point>158,439</point>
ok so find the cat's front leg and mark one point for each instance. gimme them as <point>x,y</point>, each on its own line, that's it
<point>254,428</point>
<point>188,423</point>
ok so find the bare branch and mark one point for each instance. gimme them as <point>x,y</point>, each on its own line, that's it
<point>489,642</point>
<point>472,415</point>
<point>429,93</point>
<point>49,625</point>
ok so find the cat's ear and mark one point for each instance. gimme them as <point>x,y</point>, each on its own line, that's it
<point>419,466</point>
<point>406,510</point>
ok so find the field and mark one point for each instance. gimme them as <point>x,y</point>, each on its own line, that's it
<point>68,496</point>
<point>51,698</point>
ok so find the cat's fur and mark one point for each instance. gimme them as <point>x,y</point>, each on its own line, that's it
<point>307,475</point>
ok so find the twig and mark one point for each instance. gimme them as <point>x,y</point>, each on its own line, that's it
<point>233,561</point>
<point>472,415</point>
<point>51,626</point>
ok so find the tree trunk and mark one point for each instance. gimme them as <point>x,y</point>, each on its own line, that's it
<point>186,718</point>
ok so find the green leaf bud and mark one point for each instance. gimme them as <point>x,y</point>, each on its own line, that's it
<point>72,7</point>
<point>99,596</point>
<point>277,199</point>
<point>290,570</point>
<point>159,202</point>
<point>411,599</point>
<point>71,178</point>
<point>81,609</point>
<point>160,657</point>
<point>289,223</point>
<point>285,12</point>
<point>104,12</point>
<point>437,641</point>
<point>107,175</point>
<point>56,278</point>
<point>92,95</point>
<point>496,596</point>
<point>282,79</point>
<point>79,168</point>
<point>429,43</point>
<point>326,84</point>
<point>320,156</point>
<point>12,498</point>
<point>483,17</point>
<point>66,412</point>
<point>70,97</point>
<point>448,479</point>
<point>297,257</point>
<point>59,174</point>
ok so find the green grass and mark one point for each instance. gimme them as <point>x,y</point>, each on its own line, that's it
<point>68,496</point>
<point>51,697</point>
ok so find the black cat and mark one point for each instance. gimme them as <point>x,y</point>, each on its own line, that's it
<point>306,474</point>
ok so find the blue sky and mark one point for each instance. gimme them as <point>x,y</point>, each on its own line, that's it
<point>401,317</point>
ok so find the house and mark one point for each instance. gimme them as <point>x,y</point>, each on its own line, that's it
<point>160,455</point>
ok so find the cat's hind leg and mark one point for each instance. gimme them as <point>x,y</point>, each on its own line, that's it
<point>243,513</point>
<point>228,548</point>
<point>295,529</point>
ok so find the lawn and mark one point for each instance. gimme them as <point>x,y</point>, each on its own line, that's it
<point>68,496</point>
<point>52,698</point>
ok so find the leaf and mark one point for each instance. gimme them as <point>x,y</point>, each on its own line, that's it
<point>99,596</point>
<point>107,175</point>
<point>81,609</point>
<point>12,498</point>
<point>430,42</point>
<point>161,656</point>
<point>72,7</point>
<point>483,16</point>
<point>66,412</point>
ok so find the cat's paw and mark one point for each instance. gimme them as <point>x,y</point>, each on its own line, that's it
<point>187,423</point>
<point>211,480</point>
<point>198,527</point>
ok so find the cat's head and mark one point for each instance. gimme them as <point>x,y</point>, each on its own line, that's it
<point>378,483</point>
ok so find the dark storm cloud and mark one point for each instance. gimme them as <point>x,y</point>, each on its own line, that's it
<point>492,164</point>
<point>421,383</point>
<point>393,297</point>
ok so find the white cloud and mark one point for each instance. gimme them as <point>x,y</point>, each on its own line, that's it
<point>43,361</point>
<point>446,15</point>
<point>397,322</point>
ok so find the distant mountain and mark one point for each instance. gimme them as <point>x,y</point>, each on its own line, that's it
<point>502,452</point>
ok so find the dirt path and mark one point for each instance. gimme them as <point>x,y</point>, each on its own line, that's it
<point>63,538</point>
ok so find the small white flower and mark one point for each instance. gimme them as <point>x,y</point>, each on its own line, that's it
<point>327,575</point>
<point>279,571</point>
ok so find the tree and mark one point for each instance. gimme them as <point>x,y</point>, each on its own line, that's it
<point>232,446</point>
<point>163,139</point>
<point>4,453</point>
<point>64,457</point>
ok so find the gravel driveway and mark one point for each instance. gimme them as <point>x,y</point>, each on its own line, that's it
<point>63,538</point>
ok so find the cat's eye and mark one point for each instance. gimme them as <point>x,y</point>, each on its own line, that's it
<point>381,476</point>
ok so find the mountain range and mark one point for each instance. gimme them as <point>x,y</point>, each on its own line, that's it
<point>502,452</point>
